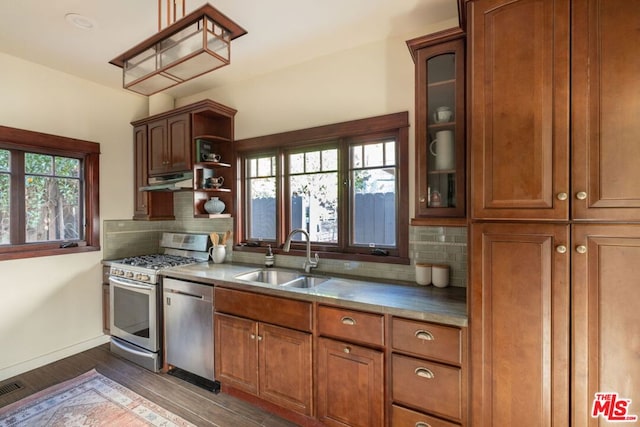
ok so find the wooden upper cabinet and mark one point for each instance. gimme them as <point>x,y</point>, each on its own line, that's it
<point>519,311</point>
<point>519,84</point>
<point>440,124</point>
<point>147,205</point>
<point>180,144</point>
<point>605,97</point>
<point>605,322</point>
<point>170,145</point>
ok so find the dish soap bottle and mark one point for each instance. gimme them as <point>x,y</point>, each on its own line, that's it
<point>268,258</point>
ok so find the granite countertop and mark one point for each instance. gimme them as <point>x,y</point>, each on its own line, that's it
<point>446,305</point>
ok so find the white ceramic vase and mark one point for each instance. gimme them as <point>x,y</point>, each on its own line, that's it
<point>214,206</point>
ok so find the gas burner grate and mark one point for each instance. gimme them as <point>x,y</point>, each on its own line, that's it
<point>158,261</point>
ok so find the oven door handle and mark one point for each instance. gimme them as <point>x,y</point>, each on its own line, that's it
<point>130,284</point>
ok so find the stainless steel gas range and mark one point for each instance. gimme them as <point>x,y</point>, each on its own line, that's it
<point>136,296</point>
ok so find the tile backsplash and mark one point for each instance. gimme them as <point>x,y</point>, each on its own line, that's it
<point>436,245</point>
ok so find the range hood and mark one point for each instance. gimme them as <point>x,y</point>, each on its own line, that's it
<point>175,182</point>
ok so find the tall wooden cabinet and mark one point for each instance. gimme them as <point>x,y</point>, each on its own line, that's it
<point>605,96</point>
<point>520,324</point>
<point>440,124</point>
<point>552,81</point>
<point>606,339</point>
<point>519,133</point>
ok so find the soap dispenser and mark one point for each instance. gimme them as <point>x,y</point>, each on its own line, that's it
<point>268,258</point>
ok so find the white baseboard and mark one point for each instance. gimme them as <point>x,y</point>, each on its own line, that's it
<point>28,365</point>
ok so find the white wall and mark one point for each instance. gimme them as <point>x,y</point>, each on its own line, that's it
<point>371,80</point>
<point>50,307</point>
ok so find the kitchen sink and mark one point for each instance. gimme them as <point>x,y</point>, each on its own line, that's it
<point>286,278</point>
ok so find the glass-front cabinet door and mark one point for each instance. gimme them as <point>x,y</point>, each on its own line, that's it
<point>439,124</point>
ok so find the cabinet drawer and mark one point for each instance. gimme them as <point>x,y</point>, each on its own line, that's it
<point>403,417</point>
<point>443,343</point>
<point>351,325</point>
<point>265,308</point>
<point>428,386</point>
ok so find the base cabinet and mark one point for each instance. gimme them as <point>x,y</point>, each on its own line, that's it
<point>263,346</point>
<point>236,349</point>
<point>350,384</point>
<point>403,417</point>
<point>268,361</point>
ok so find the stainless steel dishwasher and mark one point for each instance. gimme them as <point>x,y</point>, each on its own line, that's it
<point>188,326</point>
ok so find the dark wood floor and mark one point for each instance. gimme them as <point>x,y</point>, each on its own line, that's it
<point>197,405</point>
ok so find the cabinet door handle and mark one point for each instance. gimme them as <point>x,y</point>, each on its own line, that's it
<point>581,195</point>
<point>259,338</point>
<point>422,424</point>
<point>561,249</point>
<point>348,321</point>
<point>562,196</point>
<point>347,350</point>
<point>253,336</point>
<point>581,249</point>
<point>425,373</point>
<point>421,334</point>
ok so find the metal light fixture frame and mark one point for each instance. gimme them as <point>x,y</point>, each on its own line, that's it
<point>156,63</point>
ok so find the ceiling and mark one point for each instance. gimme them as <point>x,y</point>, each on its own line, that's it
<point>281,33</point>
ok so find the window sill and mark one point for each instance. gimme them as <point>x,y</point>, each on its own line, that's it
<point>327,255</point>
<point>17,252</point>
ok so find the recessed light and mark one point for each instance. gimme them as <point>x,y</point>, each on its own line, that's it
<point>80,21</point>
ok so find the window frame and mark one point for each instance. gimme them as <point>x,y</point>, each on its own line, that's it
<point>88,153</point>
<point>342,135</point>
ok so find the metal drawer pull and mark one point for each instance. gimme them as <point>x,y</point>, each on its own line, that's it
<point>422,424</point>
<point>347,350</point>
<point>425,373</point>
<point>348,321</point>
<point>421,334</point>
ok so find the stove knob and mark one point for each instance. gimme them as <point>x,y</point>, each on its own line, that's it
<point>145,277</point>
<point>129,275</point>
<point>137,276</point>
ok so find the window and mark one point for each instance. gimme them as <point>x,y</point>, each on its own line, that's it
<point>345,184</point>
<point>48,194</point>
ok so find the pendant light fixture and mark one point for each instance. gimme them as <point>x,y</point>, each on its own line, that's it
<point>194,45</point>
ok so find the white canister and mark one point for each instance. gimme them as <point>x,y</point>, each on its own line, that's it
<point>440,275</point>
<point>218,253</point>
<point>423,274</point>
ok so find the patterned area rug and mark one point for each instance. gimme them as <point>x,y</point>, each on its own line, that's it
<point>88,400</point>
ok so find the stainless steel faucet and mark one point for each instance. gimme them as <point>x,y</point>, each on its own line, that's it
<point>308,263</point>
